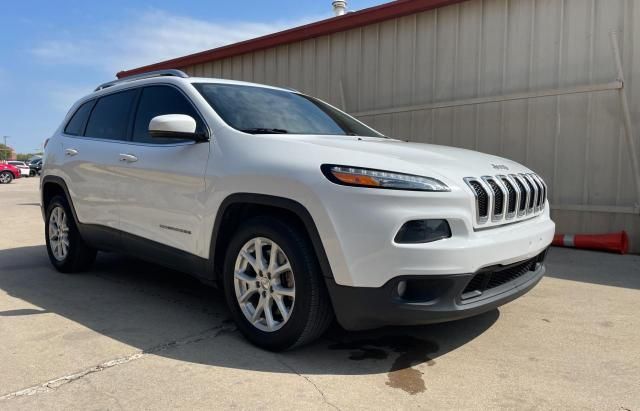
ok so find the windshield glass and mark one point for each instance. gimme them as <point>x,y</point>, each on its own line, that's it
<point>259,110</point>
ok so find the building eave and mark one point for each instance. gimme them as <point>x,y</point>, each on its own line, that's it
<point>386,11</point>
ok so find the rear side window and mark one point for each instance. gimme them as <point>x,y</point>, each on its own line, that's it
<point>157,101</point>
<point>110,116</point>
<point>75,126</point>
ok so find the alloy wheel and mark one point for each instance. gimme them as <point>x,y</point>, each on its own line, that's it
<point>264,284</point>
<point>59,233</point>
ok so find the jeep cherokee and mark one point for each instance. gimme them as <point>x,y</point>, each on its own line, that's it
<point>298,211</point>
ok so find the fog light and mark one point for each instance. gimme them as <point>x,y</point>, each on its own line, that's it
<point>402,288</point>
<point>423,231</point>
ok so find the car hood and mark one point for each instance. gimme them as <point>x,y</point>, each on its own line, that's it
<point>416,158</point>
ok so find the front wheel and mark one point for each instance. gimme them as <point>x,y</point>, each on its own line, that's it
<point>274,287</point>
<point>6,177</point>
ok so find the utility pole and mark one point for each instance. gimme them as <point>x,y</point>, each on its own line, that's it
<point>4,152</point>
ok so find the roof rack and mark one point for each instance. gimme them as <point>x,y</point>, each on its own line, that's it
<point>149,74</point>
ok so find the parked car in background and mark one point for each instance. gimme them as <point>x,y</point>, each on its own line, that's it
<point>8,173</point>
<point>25,171</point>
<point>35,167</point>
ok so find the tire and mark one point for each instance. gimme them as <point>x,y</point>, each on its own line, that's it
<point>32,173</point>
<point>309,311</point>
<point>6,177</point>
<point>77,255</point>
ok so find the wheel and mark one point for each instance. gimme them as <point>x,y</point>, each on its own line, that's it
<point>67,250</point>
<point>274,287</point>
<point>32,173</point>
<point>6,177</point>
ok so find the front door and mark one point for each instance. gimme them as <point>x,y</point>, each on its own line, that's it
<point>162,199</point>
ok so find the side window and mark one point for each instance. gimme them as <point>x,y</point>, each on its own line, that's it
<point>156,101</point>
<point>75,126</point>
<point>110,117</point>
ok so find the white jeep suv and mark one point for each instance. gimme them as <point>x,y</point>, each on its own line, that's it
<point>297,210</point>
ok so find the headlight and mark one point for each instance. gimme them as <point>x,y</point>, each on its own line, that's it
<point>366,177</point>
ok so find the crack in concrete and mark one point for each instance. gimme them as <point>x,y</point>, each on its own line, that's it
<point>56,383</point>
<point>322,394</point>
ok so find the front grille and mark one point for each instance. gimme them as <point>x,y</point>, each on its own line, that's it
<point>494,277</point>
<point>503,198</point>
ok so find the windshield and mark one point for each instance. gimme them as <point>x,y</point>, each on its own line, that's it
<point>259,110</point>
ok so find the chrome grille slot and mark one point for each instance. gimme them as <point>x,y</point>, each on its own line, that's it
<point>505,198</point>
<point>482,199</point>
<point>543,190</point>
<point>539,189</point>
<point>531,203</point>
<point>512,196</point>
<point>497,212</point>
<point>524,194</point>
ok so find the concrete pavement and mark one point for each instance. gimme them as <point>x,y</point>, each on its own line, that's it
<point>130,335</point>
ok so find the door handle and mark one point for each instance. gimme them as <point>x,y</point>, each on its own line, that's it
<point>129,158</point>
<point>71,152</point>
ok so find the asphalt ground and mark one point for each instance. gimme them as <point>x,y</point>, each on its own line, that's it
<point>132,335</point>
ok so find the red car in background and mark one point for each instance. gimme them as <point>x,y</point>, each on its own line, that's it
<point>8,173</point>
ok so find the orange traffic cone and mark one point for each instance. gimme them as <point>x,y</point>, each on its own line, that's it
<point>615,243</point>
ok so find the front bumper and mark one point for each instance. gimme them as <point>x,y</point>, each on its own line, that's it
<point>358,226</point>
<point>434,299</point>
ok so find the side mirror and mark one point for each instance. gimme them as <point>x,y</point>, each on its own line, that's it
<point>178,126</point>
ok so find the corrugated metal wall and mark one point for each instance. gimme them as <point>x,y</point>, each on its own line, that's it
<point>488,48</point>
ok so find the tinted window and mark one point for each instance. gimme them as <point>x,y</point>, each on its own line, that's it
<point>259,110</point>
<point>75,126</point>
<point>157,101</point>
<point>110,117</point>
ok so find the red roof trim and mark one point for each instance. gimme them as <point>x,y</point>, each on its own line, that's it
<point>364,17</point>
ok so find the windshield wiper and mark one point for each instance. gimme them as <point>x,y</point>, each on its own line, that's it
<point>258,130</point>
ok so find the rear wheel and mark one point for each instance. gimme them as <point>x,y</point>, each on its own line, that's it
<point>6,177</point>
<point>67,250</point>
<point>274,287</point>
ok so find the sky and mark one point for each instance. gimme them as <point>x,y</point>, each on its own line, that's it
<point>54,52</point>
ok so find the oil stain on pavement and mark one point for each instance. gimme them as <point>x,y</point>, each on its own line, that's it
<point>411,352</point>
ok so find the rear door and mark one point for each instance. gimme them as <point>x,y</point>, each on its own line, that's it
<point>92,142</point>
<point>162,199</point>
